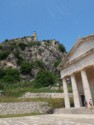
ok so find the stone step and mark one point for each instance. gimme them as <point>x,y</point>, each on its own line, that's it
<point>82,110</point>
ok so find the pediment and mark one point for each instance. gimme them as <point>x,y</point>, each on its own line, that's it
<point>81,47</point>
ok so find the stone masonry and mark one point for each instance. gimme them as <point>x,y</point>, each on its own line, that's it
<point>43,95</point>
<point>23,108</point>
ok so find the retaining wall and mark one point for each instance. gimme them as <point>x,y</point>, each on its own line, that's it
<point>81,110</point>
<point>23,107</point>
<point>44,95</point>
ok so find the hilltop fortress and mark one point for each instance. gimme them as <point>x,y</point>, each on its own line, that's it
<point>32,39</point>
<point>26,38</point>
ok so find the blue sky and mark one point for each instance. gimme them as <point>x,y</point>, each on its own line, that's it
<point>63,20</point>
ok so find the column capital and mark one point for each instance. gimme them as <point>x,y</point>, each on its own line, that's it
<point>73,74</point>
<point>84,69</point>
<point>64,77</point>
<point>78,71</point>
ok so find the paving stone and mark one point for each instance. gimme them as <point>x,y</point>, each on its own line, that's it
<point>53,119</point>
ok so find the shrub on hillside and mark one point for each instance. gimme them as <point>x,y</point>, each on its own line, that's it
<point>2,73</point>
<point>57,62</point>
<point>18,56</point>
<point>1,47</point>
<point>62,48</point>
<point>22,46</point>
<point>6,40</point>
<point>3,55</point>
<point>45,78</point>
<point>11,75</point>
<point>39,63</point>
<point>32,44</point>
<point>8,76</point>
<point>26,67</point>
<point>38,43</point>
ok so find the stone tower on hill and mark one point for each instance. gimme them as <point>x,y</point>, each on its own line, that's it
<point>34,36</point>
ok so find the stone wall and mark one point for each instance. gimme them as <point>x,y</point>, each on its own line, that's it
<point>24,107</point>
<point>43,95</point>
<point>81,110</point>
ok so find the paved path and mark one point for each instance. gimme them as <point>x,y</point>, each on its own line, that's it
<point>54,119</point>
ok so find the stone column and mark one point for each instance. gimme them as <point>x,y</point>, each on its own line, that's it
<point>75,91</point>
<point>66,95</point>
<point>86,86</point>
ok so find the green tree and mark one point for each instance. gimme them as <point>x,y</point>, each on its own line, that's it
<point>8,76</point>
<point>39,63</point>
<point>6,40</point>
<point>18,56</point>
<point>45,78</point>
<point>11,75</point>
<point>1,47</point>
<point>3,55</point>
<point>26,67</point>
<point>57,62</point>
<point>2,73</point>
<point>62,48</point>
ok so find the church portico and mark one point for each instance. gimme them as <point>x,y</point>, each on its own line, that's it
<point>82,87</point>
<point>79,68</point>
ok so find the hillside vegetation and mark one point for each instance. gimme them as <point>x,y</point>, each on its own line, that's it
<point>26,63</point>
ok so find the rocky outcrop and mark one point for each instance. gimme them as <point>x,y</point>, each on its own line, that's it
<point>45,54</point>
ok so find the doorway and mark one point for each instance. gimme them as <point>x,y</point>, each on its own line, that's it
<point>82,100</point>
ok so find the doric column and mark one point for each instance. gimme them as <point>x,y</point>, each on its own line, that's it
<point>86,86</point>
<point>75,92</point>
<point>66,95</point>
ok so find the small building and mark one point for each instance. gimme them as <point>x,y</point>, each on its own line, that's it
<point>78,66</point>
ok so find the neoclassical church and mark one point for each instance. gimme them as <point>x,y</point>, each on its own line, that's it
<point>79,67</point>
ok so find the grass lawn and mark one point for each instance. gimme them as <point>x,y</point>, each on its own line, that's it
<point>53,102</point>
<point>17,92</point>
<point>19,115</point>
